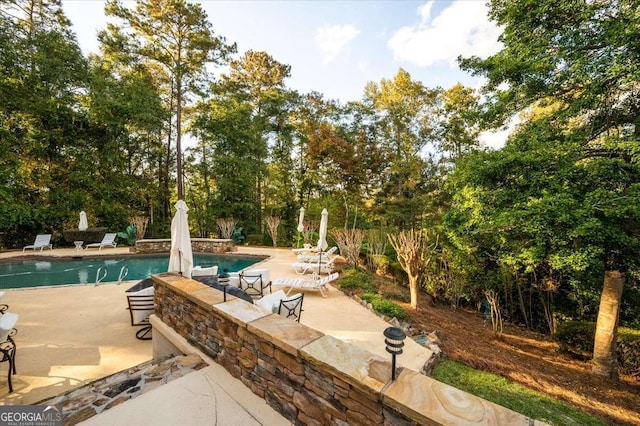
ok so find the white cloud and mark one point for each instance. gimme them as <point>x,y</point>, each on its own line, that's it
<point>463,28</point>
<point>334,39</point>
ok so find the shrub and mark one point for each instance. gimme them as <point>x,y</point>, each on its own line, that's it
<point>384,306</point>
<point>381,263</point>
<point>90,235</point>
<point>576,337</point>
<point>355,279</point>
<point>400,297</point>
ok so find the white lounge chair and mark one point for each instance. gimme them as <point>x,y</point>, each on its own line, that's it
<point>304,284</point>
<point>109,240</point>
<point>306,250</point>
<point>42,241</point>
<point>317,257</point>
<point>314,267</point>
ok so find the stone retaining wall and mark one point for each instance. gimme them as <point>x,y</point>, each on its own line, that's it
<point>198,245</point>
<point>308,377</point>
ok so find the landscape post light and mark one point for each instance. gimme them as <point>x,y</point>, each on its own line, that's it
<point>394,339</point>
<point>223,281</point>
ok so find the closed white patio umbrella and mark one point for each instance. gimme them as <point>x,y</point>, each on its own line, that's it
<point>301,220</point>
<point>181,257</point>
<point>83,222</point>
<point>322,238</point>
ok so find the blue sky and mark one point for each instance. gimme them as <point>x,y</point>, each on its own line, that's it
<point>336,47</point>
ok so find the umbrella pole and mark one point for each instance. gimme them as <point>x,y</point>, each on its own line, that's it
<point>319,263</point>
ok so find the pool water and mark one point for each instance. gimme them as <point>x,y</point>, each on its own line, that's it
<point>40,273</point>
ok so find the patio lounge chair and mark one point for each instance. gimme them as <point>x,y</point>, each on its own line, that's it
<point>302,284</point>
<point>109,240</point>
<point>317,257</point>
<point>314,267</point>
<point>42,241</point>
<point>305,250</point>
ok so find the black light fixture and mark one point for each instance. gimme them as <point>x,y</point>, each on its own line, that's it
<point>223,281</point>
<point>394,339</point>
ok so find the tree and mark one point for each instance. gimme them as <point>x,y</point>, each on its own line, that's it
<point>176,36</point>
<point>584,55</point>
<point>414,255</point>
<point>43,72</point>
<point>459,124</point>
<point>404,113</point>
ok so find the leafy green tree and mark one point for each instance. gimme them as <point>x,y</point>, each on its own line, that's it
<point>174,35</point>
<point>459,128</point>
<point>404,113</point>
<point>229,158</point>
<point>584,56</point>
<point>43,72</point>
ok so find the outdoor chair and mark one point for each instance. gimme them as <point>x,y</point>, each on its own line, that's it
<point>8,321</point>
<point>305,250</point>
<point>42,241</point>
<point>141,306</point>
<point>303,284</point>
<point>291,307</point>
<point>314,267</point>
<point>318,257</point>
<point>109,240</point>
<point>255,282</point>
<point>3,306</point>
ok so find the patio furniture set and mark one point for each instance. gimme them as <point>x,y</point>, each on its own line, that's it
<point>43,241</point>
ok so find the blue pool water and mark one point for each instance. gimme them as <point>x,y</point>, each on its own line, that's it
<point>40,273</point>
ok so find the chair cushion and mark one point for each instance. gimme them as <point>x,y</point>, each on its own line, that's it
<point>255,272</point>
<point>203,272</point>
<point>271,301</point>
<point>141,314</point>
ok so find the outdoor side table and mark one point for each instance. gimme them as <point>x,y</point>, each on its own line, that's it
<point>78,244</point>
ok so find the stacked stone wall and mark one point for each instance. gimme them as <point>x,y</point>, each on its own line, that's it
<point>198,245</point>
<point>308,377</point>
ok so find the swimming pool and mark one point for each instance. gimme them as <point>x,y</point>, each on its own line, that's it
<point>40,273</point>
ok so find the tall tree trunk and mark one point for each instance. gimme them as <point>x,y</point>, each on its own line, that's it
<point>604,348</point>
<point>179,139</point>
<point>413,290</point>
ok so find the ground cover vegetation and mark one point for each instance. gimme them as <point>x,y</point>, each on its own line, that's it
<point>539,232</point>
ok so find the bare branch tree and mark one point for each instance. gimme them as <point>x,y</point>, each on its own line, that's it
<point>496,313</point>
<point>226,226</point>
<point>414,255</point>
<point>349,242</point>
<point>272,227</point>
<point>140,222</point>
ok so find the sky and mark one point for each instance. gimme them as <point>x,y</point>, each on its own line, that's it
<point>335,47</point>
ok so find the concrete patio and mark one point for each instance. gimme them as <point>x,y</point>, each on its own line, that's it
<point>71,335</point>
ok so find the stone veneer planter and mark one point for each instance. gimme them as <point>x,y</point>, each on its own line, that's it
<point>309,377</point>
<point>198,245</point>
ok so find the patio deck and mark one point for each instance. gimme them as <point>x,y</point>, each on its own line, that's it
<point>71,335</point>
